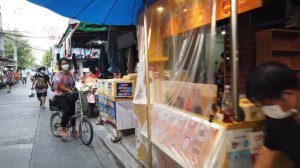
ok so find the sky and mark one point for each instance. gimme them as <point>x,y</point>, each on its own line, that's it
<point>35,21</point>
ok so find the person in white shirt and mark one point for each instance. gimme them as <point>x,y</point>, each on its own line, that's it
<point>32,74</point>
<point>24,75</point>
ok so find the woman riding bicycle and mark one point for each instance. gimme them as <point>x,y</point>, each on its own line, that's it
<point>63,84</point>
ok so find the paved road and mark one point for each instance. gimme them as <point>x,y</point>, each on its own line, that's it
<point>26,140</point>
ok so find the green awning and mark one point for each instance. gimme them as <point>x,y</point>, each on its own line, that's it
<point>85,27</point>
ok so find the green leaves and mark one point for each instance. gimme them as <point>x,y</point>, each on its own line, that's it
<point>25,56</point>
<point>46,59</point>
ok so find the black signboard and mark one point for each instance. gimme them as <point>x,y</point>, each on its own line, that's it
<point>124,89</point>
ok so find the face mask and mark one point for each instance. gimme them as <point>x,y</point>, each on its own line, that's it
<point>65,67</point>
<point>42,71</point>
<point>275,112</point>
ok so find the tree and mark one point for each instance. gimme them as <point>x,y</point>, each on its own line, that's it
<point>46,59</point>
<point>24,53</point>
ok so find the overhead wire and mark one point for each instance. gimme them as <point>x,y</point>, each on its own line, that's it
<point>18,35</point>
<point>10,38</point>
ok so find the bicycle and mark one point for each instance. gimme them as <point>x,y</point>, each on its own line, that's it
<point>85,126</point>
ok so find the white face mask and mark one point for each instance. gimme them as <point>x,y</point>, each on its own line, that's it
<point>42,71</point>
<point>65,67</point>
<point>276,112</point>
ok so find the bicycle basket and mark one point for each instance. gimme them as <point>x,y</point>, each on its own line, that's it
<point>84,105</point>
<point>53,105</point>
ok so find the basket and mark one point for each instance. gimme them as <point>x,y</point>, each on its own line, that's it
<point>53,105</point>
<point>85,105</point>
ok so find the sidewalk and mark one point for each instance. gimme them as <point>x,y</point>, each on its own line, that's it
<point>123,152</point>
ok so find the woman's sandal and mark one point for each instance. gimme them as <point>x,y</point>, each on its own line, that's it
<point>75,134</point>
<point>63,134</point>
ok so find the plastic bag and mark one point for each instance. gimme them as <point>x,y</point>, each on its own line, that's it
<point>91,98</point>
<point>31,94</point>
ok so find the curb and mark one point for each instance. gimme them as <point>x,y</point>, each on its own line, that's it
<point>123,158</point>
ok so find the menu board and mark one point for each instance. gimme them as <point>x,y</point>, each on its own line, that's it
<point>188,140</point>
<point>124,89</point>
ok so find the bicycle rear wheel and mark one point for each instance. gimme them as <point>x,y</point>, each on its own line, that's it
<point>55,121</point>
<point>86,131</point>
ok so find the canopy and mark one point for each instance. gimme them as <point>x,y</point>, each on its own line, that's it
<point>104,12</point>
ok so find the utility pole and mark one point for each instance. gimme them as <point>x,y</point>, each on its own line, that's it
<point>2,50</point>
<point>15,50</point>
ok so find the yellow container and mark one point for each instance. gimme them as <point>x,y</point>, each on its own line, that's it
<point>251,111</point>
<point>120,88</point>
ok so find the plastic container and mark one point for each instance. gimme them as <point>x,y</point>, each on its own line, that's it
<point>226,106</point>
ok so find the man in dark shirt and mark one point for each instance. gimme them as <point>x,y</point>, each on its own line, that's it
<point>275,87</point>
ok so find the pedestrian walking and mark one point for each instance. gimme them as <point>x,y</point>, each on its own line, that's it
<point>9,77</point>
<point>41,82</point>
<point>24,75</point>
<point>17,77</point>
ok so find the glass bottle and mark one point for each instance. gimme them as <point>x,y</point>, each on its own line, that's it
<point>226,105</point>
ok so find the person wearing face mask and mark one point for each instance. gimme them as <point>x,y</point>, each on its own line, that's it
<point>9,76</point>
<point>63,84</point>
<point>274,87</point>
<point>40,83</point>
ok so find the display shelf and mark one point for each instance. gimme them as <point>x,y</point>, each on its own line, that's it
<point>280,45</point>
<point>158,59</point>
<point>227,126</point>
<point>114,98</point>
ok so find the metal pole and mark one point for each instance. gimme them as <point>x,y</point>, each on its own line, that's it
<point>212,44</point>
<point>2,50</point>
<point>147,87</point>
<point>15,50</point>
<point>235,59</point>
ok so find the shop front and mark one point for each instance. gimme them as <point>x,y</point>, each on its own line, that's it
<point>190,50</point>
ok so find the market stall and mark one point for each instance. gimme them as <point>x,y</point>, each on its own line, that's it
<point>182,125</point>
<point>115,103</point>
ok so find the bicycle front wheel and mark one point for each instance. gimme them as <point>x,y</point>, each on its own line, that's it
<point>55,121</point>
<point>86,131</point>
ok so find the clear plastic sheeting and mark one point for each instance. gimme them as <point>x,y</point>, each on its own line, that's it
<point>179,55</point>
<point>180,42</point>
<point>186,139</point>
<point>140,88</point>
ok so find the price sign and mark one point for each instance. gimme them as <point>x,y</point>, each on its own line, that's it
<point>124,89</point>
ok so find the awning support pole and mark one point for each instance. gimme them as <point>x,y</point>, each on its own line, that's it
<point>235,60</point>
<point>147,86</point>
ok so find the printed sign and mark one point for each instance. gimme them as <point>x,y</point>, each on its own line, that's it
<point>238,159</point>
<point>255,141</point>
<point>124,89</point>
<point>188,140</point>
<point>237,140</point>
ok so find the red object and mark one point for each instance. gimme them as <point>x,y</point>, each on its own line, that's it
<point>97,73</point>
<point>228,117</point>
<point>254,157</point>
<point>91,75</point>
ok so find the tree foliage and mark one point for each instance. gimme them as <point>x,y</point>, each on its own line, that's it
<point>24,53</point>
<point>46,59</point>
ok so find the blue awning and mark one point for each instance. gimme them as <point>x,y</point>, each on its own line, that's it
<point>103,12</point>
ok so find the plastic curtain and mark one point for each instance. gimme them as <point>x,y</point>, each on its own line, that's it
<point>181,39</point>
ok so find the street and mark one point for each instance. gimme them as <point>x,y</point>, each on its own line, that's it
<point>26,140</point>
